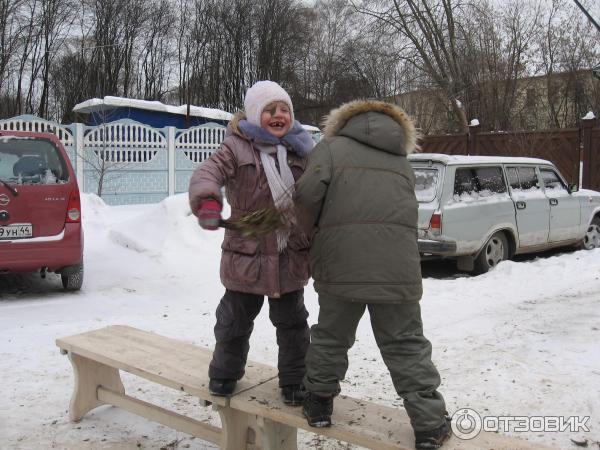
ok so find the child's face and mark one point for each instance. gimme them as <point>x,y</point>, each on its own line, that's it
<point>276,119</point>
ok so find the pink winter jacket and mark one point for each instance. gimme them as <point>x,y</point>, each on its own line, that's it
<point>249,264</point>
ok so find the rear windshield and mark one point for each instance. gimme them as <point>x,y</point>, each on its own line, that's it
<point>426,182</point>
<point>25,160</point>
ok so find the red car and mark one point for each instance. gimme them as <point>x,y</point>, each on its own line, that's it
<point>40,208</point>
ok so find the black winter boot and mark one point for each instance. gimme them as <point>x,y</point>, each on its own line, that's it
<point>317,410</point>
<point>293,394</point>
<point>432,439</point>
<point>221,387</point>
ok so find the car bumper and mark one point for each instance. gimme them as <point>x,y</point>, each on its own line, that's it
<point>54,253</point>
<point>437,248</point>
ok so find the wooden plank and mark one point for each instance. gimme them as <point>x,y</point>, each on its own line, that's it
<point>166,361</point>
<point>363,423</point>
<point>157,414</point>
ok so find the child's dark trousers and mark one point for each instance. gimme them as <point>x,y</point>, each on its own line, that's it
<point>235,321</point>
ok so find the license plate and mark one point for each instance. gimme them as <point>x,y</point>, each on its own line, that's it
<point>16,231</point>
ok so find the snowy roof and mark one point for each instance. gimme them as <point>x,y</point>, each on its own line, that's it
<point>311,128</point>
<point>98,104</point>
<point>464,159</point>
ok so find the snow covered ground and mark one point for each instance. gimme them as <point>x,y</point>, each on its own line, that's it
<point>520,341</point>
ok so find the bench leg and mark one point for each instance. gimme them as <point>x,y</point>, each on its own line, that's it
<point>88,376</point>
<point>276,436</point>
<point>239,429</point>
<point>235,426</point>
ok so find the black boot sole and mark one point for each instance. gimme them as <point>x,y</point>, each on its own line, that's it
<point>318,422</point>
<point>219,394</point>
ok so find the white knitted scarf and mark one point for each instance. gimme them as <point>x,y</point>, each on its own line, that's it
<point>281,184</point>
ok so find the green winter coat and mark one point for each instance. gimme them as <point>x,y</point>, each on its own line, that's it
<point>357,200</point>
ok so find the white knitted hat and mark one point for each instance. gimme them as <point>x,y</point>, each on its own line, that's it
<point>260,95</point>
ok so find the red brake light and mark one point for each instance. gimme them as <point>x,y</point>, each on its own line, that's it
<point>436,222</point>
<point>74,208</point>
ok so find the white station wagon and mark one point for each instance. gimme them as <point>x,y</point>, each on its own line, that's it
<point>481,210</point>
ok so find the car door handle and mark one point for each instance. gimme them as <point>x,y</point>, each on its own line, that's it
<point>553,201</point>
<point>521,205</point>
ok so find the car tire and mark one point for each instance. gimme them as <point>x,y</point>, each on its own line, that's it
<point>73,281</point>
<point>591,239</point>
<point>493,252</point>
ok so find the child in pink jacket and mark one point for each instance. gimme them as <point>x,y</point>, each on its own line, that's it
<point>258,163</point>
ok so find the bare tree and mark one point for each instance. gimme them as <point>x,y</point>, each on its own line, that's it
<point>29,11</point>
<point>324,65</point>
<point>72,71</point>
<point>431,27</point>
<point>498,43</point>
<point>10,32</point>
<point>446,60</point>
<point>106,161</point>
<point>156,51</point>
<point>55,21</point>
<point>117,25</point>
<point>569,47</point>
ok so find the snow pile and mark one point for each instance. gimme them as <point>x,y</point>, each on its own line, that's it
<point>165,224</point>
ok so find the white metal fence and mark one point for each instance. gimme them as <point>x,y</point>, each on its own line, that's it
<point>133,162</point>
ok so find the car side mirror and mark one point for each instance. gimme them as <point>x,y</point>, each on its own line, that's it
<point>572,187</point>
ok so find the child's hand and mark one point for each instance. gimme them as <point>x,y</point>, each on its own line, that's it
<point>209,214</point>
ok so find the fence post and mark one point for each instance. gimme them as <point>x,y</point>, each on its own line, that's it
<point>474,129</point>
<point>171,160</point>
<point>79,165</point>
<point>586,156</point>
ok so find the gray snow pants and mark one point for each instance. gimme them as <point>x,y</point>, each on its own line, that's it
<point>398,331</point>
<point>235,321</point>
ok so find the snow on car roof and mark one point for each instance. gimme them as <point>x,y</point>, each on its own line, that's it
<point>469,159</point>
<point>96,104</point>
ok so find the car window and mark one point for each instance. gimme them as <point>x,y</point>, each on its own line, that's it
<point>25,160</point>
<point>426,182</point>
<point>478,182</point>
<point>551,180</point>
<point>7,161</point>
<point>490,179</point>
<point>523,178</point>
<point>513,177</point>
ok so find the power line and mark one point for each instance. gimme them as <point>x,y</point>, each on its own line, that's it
<point>589,16</point>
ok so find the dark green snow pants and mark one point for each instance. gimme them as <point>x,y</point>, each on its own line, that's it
<point>398,331</point>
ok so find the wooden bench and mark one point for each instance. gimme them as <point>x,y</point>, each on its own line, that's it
<point>253,417</point>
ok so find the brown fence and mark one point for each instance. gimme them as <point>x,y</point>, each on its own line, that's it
<point>566,148</point>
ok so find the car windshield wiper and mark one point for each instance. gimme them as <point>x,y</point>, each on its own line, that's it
<point>12,190</point>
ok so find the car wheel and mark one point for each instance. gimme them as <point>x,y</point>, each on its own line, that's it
<point>73,281</point>
<point>493,252</point>
<point>591,240</point>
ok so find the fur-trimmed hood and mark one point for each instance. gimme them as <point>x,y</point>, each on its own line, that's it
<point>296,139</point>
<point>378,124</point>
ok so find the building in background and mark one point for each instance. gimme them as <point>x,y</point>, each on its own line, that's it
<point>557,100</point>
